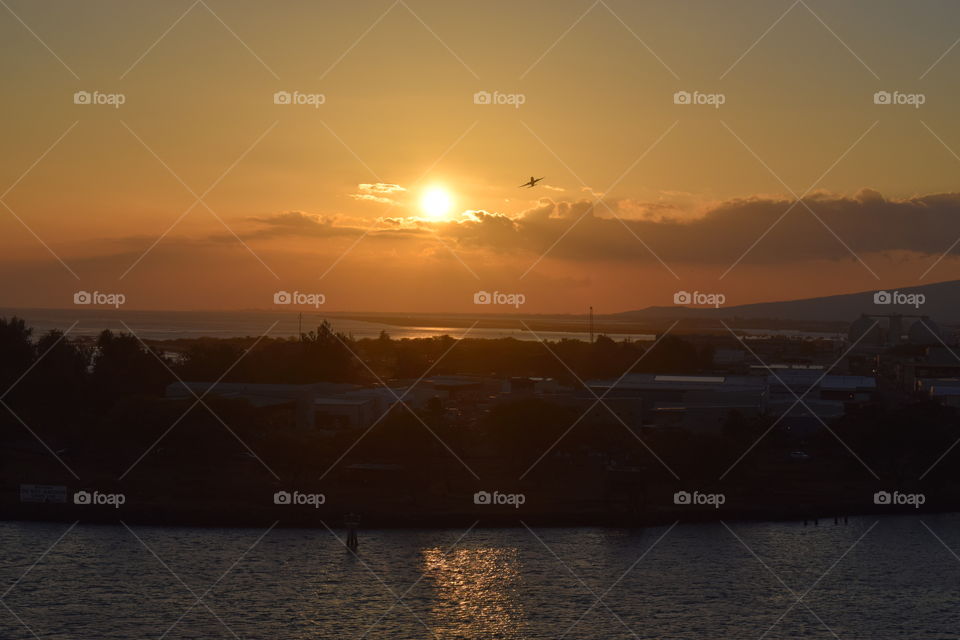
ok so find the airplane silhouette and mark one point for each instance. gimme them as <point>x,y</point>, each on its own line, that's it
<point>533,182</point>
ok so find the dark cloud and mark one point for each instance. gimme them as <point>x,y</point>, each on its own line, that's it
<point>583,230</point>
<point>867,222</point>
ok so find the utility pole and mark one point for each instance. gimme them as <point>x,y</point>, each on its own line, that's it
<point>591,325</point>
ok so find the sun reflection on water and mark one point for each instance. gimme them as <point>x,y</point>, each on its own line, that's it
<point>478,592</point>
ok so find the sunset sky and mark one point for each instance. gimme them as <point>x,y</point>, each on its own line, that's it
<point>329,198</point>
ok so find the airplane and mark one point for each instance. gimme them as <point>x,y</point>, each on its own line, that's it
<point>533,182</point>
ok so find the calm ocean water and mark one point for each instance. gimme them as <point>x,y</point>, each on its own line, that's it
<point>889,577</point>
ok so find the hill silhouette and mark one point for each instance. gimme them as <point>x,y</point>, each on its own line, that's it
<point>939,302</point>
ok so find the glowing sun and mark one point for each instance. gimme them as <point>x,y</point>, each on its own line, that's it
<point>436,202</point>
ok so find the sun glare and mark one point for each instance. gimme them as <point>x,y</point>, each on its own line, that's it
<point>436,202</point>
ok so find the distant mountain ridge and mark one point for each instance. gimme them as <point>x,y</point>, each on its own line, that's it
<point>940,301</point>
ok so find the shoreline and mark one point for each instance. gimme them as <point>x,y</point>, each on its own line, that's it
<point>334,519</point>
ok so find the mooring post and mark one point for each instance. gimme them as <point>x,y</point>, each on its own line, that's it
<point>352,521</point>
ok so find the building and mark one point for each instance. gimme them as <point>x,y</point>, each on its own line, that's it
<point>944,390</point>
<point>693,403</point>
<point>319,405</point>
<point>825,397</point>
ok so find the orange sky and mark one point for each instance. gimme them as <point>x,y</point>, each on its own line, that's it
<point>200,191</point>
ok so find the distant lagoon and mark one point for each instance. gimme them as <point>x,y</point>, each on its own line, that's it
<point>172,325</point>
